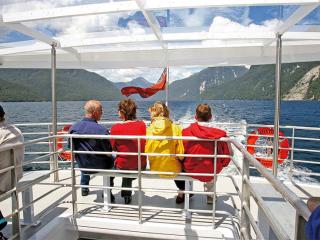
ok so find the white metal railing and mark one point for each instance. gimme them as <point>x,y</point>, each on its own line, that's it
<point>300,143</point>
<point>247,189</point>
<point>293,132</point>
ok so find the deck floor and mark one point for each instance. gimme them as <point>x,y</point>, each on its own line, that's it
<point>95,222</point>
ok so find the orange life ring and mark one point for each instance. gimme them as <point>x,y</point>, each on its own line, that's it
<point>264,136</point>
<point>64,155</point>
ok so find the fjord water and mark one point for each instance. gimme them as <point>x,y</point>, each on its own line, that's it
<point>293,113</point>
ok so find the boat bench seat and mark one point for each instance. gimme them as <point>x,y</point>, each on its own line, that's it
<point>31,178</point>
<point>107,192</point>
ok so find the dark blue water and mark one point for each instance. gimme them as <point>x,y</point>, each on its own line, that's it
<point>293,113</point>
<point>298,113</point>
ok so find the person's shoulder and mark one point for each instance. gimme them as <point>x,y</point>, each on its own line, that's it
<point>13,128</point>
<point>177,129</point>
<point>186,130</point>
<point>115,128</point>
<point>75,125</point>
<point>140,123</point>
<point>102,128</point>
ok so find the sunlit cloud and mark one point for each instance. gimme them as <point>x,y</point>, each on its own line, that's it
<point>222,25</point>
<point>150,74</point>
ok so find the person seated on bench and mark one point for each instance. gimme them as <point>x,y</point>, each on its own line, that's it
<point>130,126</point>
<point>89,125</point>
<point>9,134</point>
<point>161,125</point>
<point>313,224</point>
<point>201,129</point>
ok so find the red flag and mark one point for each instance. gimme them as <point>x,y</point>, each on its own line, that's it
<point>147,92</point>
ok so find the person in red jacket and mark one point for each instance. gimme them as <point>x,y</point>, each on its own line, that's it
<point>201,129</point>
<point>130,126</point>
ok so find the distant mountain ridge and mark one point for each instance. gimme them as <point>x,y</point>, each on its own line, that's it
<point>192,87</point>
<point>137,82</point>
<point>71,84</point>
<point>258,83</point>
<point>299,81</point>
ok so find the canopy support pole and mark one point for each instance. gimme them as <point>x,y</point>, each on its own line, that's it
<point>277,105</point>
<point>54,164</point>
<point>167,86</point>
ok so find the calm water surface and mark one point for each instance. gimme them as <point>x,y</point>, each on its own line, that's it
<point>293,113</point>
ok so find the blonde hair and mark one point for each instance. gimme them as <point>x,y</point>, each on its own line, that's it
<point>92,106</point>
<point>159,109</point>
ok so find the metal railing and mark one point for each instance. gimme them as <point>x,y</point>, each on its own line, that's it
<point>300,144</point>
<point>247,219</point>
<point>140,174</point>
<point>304,149</point>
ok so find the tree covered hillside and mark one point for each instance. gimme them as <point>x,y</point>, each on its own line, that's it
<point>72,84</point>
<point>258,82</point>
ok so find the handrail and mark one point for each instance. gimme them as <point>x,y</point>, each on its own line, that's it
<point>290,196</point>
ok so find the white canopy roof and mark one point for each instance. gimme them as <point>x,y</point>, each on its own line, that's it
<point>153,33</point>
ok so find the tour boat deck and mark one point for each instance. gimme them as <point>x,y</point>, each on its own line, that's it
<point>120,222</point>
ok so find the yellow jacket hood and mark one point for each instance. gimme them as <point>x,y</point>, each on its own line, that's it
<point>161,126</point>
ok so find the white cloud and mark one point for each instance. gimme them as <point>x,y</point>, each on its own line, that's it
<point>69,25</point>
<point>203,16</point>
<point>222,25</point>
<point>150,74</point>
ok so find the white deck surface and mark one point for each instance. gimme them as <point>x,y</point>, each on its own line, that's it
<point>120,223</point>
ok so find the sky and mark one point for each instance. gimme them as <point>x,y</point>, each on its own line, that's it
<point>215,20</point>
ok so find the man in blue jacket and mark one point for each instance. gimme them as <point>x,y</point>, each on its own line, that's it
<point>313,224</point>
<point>89,125</point>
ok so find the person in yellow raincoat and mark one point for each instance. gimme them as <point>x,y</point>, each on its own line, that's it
<point>161,125</point>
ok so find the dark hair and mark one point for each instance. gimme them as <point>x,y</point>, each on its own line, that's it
<point>203,112</point>
<point>1,113</point>
<point>128,108</point>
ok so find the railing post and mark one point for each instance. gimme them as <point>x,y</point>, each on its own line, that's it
<point>277,105</point>
<point>54,110</point>
<point>51,149</point>
<point>139,181</point>
<point>73,183</point>
<point>245,200</point>
<point>16,229</point>
<point>292,152</point>
<point>214,184</point>
<point>300,233</point>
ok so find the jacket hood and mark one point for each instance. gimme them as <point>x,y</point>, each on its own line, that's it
<point>206,132</point>
<point>160,125</point>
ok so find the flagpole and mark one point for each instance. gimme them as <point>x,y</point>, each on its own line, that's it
<point>167,86</point>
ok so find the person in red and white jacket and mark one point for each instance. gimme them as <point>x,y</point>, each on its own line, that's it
<point>201,129</point>
<point>129,126</point>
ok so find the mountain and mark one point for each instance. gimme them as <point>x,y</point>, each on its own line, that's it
<point>71,84</point>
<point>192,87</point>
<point>258,83</point>
<point>308,87</point>
<point>137,82</point>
